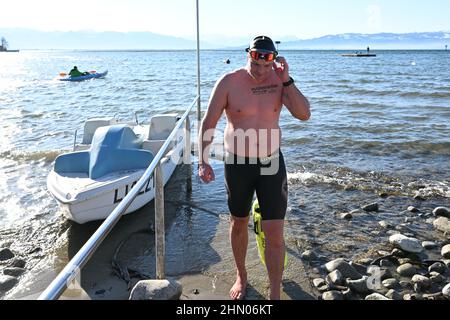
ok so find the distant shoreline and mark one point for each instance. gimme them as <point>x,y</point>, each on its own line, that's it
<point>225,49</point>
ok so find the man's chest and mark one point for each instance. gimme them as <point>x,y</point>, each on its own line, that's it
<point>255,100</point>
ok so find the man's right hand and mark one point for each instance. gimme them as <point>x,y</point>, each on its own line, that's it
<point>206,173</point>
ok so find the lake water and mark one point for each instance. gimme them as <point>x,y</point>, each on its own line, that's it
<point>379,125</point>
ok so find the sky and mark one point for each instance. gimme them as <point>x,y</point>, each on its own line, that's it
<point>287,19</point>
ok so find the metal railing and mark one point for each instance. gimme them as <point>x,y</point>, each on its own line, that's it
<point>71,270</point>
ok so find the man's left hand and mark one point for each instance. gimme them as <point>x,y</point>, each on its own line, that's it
<point>281,68</point>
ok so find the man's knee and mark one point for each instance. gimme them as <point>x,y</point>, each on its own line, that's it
<point>274,233</point>
<point>239,224</point>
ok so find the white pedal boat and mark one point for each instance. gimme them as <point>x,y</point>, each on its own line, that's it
<point>91,181</point>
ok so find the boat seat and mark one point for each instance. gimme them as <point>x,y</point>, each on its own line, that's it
<point>92,124</point>
<point>114,148</point>
<point>161,126</point>
<point>72,162</point>
<point>154,145</point>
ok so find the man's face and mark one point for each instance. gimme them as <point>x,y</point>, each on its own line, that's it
<point>259,69</point>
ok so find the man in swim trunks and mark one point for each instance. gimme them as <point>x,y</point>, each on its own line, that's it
<point>252,98</point>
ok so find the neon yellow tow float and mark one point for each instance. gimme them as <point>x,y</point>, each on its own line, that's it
<point>260,238</point>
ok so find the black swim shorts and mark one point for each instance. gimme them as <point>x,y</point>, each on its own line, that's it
<point>266,176</point>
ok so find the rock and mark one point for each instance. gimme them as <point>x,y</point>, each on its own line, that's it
<point>438,267</point>
<point>422,282</point>
<point>385,263</point>
<point>332,295</point>
<point>17,263</point>
<point>346,269</point>
<point>14,272</point>
<point>394,295</point>
<point>7,283</point>
<point>436,278</point>
<point>441,212</point>
<point>373,207</point>
<point>406,270</point>
<point>399,253</point>
<point>6,254</point>
<point>346,216</point>
<point>348,295</point>
<point>361,269</point>
<point>446,251</point>
<point>412,296</point>
<point>405,284</point>
<point>442,224</point>
<point>358,286</point>
<point>309,255</point>
<point>156,290</point>
<point>319,282</point>
<point>413,209</point>
<point>446,291</point>
<point>376,296</point>
<point>335,278</point>
<point>390,283</point>
<point>365,261</point>
<point>385,225</point>
<point>407,244</point>
<point>429,245</point>
<point>419,197</point>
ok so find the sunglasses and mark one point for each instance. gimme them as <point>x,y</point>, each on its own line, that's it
<point>266,56</point>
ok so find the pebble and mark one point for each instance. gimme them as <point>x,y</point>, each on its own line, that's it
<point>407,244</point>
<point>309,255</point>
<point>412,296</point>
<point>373,207</point>
<point>376,296</point>
<point>15,272</point>
<point>429,245</point>
<point>441,212</point>
<point>332,295</point>
<point>346,216</point>
<point>346,269</point>
<point>390,283</point>
<point>6,254</point>
<point>438,267</point>
<point>413,209</point>
<point>446,251</point>
<point>421,282</point>
<point>394,295</point>
<point>446,291</point>
<point>407,270</point>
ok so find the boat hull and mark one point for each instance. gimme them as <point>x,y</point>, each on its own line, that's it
<point>98,203</point>
<point>86,77</point>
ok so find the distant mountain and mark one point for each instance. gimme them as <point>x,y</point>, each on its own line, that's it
<point>90,40</point>
<point>358,41</point>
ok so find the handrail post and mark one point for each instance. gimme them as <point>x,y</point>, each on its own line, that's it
<point>187,153</point>
<point>159,223</point>
<point>199,112</point>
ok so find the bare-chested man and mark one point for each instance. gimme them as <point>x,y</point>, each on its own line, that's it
<point>252,98</point>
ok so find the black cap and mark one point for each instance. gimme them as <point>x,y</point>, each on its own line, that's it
<point>262,43</point>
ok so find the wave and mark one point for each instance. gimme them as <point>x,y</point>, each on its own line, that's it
<point>23,156</point>
<point>375,182</point>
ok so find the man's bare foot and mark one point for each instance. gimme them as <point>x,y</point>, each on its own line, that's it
<point>237,292</point>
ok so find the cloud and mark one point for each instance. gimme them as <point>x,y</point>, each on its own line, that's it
<point>374,17</point>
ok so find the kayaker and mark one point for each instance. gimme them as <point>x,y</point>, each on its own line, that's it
<point>252,98</point>
<point>76,73</point>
